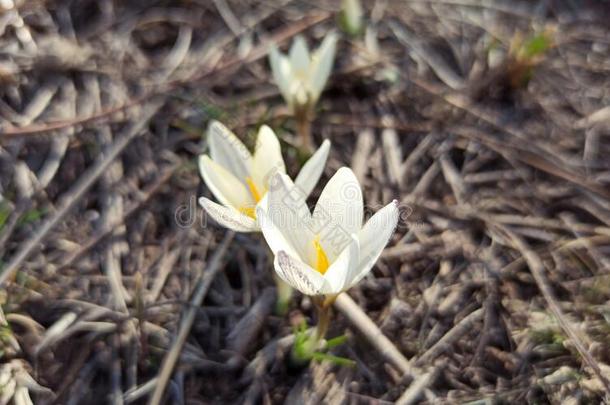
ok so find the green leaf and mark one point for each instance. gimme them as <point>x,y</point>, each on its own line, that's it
<point>334,342</point>
<point>536,45</point>
<point>21,278</point>
<point>346,27</point>
<point>340,361</point>
<point>30,216</point>
<point>212,111</point>
<point>547,336</point>
<point>187,127</point>
<point>300,334</point>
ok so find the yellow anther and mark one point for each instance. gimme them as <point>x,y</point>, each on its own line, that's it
<point>253,190</point>
<point>249,211</point>
<point>321,259</point>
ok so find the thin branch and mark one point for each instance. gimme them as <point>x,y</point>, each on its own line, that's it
<point>537,268</point>
<point>360,320</point>
<point>203,285</point>
<point>416,389</point>
<point>458,330</point>
<point>78,190</point>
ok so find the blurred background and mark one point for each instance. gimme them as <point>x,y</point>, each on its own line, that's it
<point>488,120</point>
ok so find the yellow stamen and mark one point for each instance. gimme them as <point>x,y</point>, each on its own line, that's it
<point>321,259</point>
<point>253,190</point>
<point>249,211</point>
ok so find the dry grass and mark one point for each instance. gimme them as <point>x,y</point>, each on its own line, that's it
<point>488,120</point>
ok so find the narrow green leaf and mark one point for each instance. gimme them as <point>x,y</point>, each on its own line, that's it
<point>536,45</point>
<point>336,341</point>
<point>340,361</point>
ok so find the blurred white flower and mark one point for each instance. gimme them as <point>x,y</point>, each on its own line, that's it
<point>239,180</point>
<point>329,251</point>
<point>301,76</point>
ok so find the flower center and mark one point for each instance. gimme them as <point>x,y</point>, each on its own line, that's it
<point>250,210</point>
<point>321,258</point>
<point>300,74</point>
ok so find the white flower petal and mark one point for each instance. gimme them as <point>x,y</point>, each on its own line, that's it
<point>22,397</point>
<point>373,237</point>
<point>285,212</point>
<point>267,158</point>
<point>299,56</point>
<point>224,185</point>
<point>338,274</point>
<point>282,72</point>
<point>272,233</point>
<point>298,274</point>
<point>340,204</point>
<point>228,151</point>
<point>312,170</point>
<point>288,212</point>
<point>322,63</point>
<point>299,93</point>
<point>229,217</point>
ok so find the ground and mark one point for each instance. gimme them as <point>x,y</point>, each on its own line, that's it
<point>487,120</point>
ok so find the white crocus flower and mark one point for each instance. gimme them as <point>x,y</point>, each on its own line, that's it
<point>329,251</point>
<point>239,180</point>
<point>301,76</point>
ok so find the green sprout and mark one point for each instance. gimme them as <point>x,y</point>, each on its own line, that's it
<point>31,216</point>
<point>350,18</point>
<point>535,46</point>
<point>526,54</point>
<point>305,350</point>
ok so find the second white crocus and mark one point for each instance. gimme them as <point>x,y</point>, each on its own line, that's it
<point>301,76</point>
<point>329,251</point>
<point>239,180</point>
